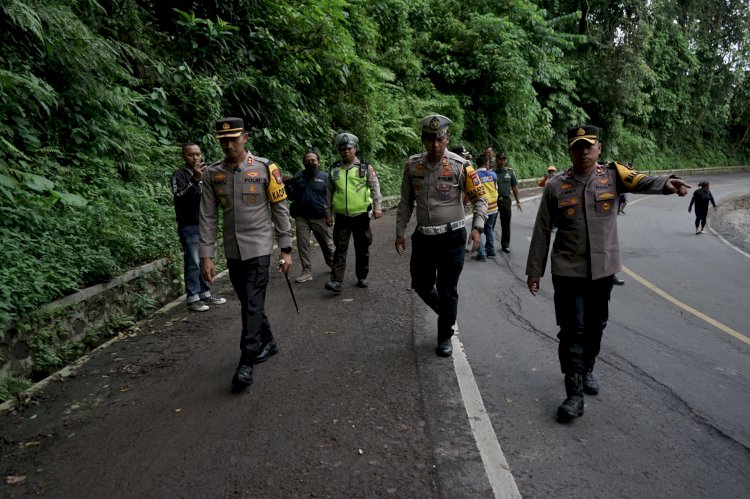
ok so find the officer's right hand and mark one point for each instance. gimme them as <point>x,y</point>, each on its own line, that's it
<point>400,245</point>
<point>329,221</point>
<point>208,269</point>
<point>533,284</point>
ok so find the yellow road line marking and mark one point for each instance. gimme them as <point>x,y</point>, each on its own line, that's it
<point>687,307</point>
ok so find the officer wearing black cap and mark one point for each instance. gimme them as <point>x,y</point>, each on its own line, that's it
<point>353,191</point>
<point>582,204</point>
<point>435,182</point>
<point>250,191</point>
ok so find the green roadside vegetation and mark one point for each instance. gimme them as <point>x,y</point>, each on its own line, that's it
<point>96,96</point>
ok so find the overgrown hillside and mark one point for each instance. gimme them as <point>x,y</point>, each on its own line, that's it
<point>96,96</point>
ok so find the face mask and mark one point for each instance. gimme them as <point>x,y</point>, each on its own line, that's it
<point>309,165</point>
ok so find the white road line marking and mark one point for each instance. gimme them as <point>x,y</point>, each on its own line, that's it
<point>498,471</point>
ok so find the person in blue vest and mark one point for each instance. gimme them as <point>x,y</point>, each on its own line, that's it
<point>307,192</point>
<point>489,181</point>
<point>353,193</point>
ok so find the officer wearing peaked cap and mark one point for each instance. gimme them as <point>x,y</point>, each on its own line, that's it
<point>250,191</point>
<point>581,203</point>
<point>353,191</point>
<point>435,182</point>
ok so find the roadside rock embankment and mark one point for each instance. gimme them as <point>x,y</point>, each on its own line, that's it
<point>732,221</point>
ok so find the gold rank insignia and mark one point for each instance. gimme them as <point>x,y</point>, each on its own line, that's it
<point>606,206</point>
<point>226,125</point>
<point>251,174</point>
<point>581,132</point>
<point>435,123</point>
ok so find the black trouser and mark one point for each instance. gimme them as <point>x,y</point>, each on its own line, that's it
<point>249,279</point>
<point>504,207</point>
<point>582,310</point>
<point>700,216</point>
<point>436,264</point>
<point>343,228</point>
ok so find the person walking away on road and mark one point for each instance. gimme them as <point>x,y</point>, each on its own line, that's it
<point>435,182</point>
<point>551,169</point>
<point>581,203</point>
<point>353,190</point>
<point>307,192</point>
<point>489,182</point>
<point>701,198</point>
<point>187,184</point>
<point>250,191</point>
<point>506,183</point>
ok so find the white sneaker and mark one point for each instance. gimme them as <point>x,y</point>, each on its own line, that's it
<point>703,231</point>
<point>697,231</point>
<point>305,276</point>
<point>214,300</point>
<point>197,306</point>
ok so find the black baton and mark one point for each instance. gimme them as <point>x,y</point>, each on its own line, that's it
<point>289,283</point>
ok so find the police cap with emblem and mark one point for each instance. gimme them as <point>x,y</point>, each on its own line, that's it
<point>227,128</point>
<point>346,140</point>
<point>434,126</point>
<point>588,133</point>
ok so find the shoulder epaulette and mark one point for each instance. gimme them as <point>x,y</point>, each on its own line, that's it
<point>615,164</point>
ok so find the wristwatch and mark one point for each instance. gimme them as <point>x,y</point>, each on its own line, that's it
<point>287,250</point>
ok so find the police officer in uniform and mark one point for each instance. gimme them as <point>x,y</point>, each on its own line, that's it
<point>582,204</point>
<point>353,190</point>
<point>251,194</point>
<point>435,182</point>
<point>506,183</point>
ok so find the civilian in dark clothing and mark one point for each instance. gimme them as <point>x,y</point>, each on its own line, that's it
<point>186,189</point>
<point>701,198</point>
<point>307,192</point>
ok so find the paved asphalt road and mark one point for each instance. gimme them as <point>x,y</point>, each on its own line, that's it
<point>673,415</point>
<point>357,405</point>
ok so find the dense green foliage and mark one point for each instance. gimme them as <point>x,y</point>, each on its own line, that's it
<point>96,95</point>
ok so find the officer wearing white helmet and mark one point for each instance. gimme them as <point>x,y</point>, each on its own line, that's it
<point>353,193</point>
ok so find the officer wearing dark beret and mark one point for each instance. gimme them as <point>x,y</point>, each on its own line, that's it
<point>251,194</point>
<point>507,184</point>
<point>435,183</point>
<point>582,203</point>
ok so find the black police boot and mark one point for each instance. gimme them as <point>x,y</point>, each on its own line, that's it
<point>590,385</point>
<point>572,407</point>
<point>243,376</point>
<point>266,350</point>
<point>444,348</point>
